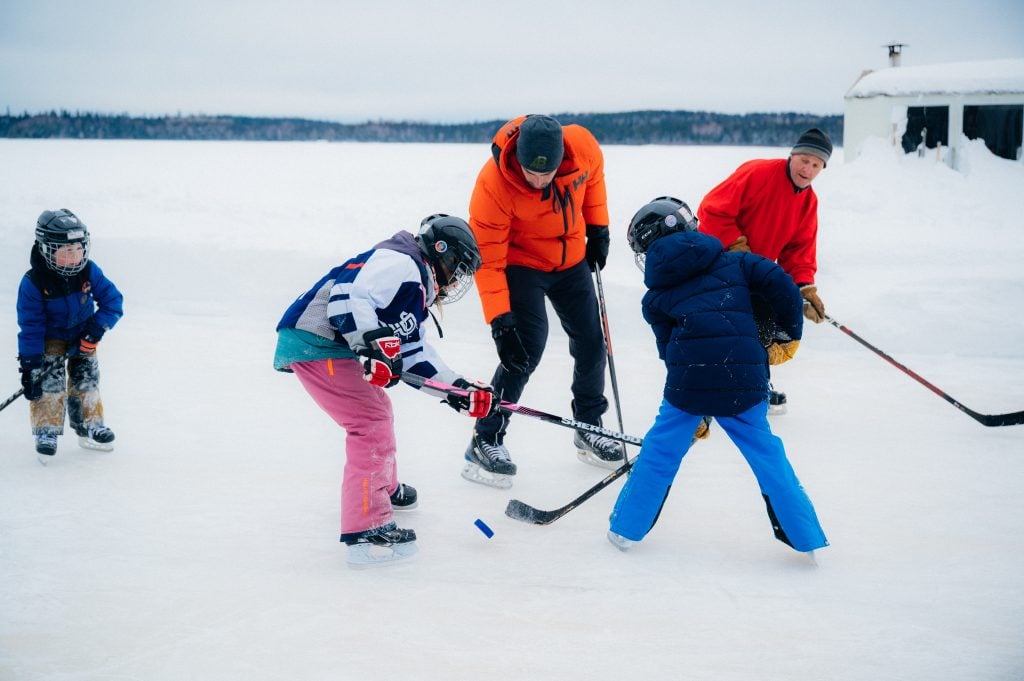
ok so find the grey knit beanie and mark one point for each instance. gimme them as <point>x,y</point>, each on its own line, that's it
<point>814,142</point>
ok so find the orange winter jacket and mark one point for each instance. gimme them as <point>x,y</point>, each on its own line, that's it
<point>544,229</point>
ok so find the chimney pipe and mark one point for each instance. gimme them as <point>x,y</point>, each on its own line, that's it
<point>895,52</point>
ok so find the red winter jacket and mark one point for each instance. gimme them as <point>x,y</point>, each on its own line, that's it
<point>515,224</point>
<point>760,202</point>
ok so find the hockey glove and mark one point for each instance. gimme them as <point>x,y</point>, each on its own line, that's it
<point>91,338</point>
<point>738,245</point>
<point>32,376</point>
<point>814,309</point>
<point>779,353</point>
<point>511,353</point>
<point>480,401</point>
<point>598,241</point>
<point>383,352</point>
<point>703,431</point>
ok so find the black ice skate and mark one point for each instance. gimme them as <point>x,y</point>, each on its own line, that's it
<point>46,444</point>
<point>776,402</point>
<point>404,498</point>
<point>95,437</point>
<point>488,463</point>
<point>598,450</point>
<point>379,546</point>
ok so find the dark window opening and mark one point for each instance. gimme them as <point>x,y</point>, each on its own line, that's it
<point>929,124</point>
<point>1000,126</point>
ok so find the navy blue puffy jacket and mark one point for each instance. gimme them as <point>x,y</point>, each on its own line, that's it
<point>698,305</point>
<point>64,308</point>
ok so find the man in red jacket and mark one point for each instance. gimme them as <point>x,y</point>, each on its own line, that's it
<point>767,207</point>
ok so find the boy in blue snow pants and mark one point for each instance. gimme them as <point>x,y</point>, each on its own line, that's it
<point>698,304</point>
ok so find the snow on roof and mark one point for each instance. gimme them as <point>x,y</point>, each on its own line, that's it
<point>996,76</point>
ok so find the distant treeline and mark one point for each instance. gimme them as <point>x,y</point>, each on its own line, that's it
<point>631,127</point>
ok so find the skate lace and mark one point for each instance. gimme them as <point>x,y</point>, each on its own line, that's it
<point>600,442</point>
<point>494,452</point>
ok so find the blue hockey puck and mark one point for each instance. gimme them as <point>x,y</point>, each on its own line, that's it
<point>488,532</point>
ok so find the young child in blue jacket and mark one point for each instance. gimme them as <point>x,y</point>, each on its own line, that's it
<point>65,305</point>
<point>698,305</point>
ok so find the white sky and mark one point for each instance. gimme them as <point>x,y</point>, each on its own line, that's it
<point>462,60</point>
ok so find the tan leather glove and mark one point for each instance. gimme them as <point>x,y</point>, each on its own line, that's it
<point>814,309</point>
<point>779,353</point>
<point>738,245</point>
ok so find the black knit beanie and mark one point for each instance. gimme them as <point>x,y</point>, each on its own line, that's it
<point>539,148</point>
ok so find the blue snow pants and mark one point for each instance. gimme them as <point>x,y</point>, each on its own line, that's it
<point>574,300</point>
<point>666,443</point>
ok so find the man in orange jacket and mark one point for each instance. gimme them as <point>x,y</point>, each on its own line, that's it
<point>540,216</point>
<point>767,207</point>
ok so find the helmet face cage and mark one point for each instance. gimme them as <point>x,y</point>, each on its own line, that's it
<point>451,250</point>
<point>57,234</point>
<point>660,217</point>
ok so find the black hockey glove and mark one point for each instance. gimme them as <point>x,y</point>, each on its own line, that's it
<point>31,376</point>
<point>90,337</point>
<point>383,352</point>
<point>598,241</point>
<point>511,353</point>
<point>480,401</point>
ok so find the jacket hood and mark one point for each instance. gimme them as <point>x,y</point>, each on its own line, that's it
<point>677,257</point>
<point>404,242</point>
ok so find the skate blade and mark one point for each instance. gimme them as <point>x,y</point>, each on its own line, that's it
<point>474,473</point>
<point>586,456</point>
<point>86,443</point>
<point>44,459</point>
<point>776,409</point>
<point>406,508</point>
<point>363,556</point>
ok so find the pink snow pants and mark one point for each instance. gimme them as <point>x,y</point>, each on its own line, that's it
<point>364,411</point>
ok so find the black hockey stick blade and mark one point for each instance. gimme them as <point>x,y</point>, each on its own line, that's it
<point>1013,419</point>
<point>518,510</point>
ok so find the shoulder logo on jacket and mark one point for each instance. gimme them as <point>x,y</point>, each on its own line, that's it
<point>405,325</point>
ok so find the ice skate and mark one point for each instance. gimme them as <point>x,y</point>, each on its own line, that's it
<point>46,445</point>
<point>598,450</point>
<point>99,438</point>
<point>620,542</point>
<point>776,402</point>
<point>488,464</point>
<point>404,498</point>
<point>379,546</point>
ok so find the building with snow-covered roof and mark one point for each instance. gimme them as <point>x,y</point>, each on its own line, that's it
<point>938,106</point>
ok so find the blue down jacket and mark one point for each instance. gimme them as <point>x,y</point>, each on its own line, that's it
<point>64,308</point>
<point>698,305</point>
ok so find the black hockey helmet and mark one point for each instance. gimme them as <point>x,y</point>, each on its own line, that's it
<point>59,228</point>
<point>449,246</point>
<point>659,217</point>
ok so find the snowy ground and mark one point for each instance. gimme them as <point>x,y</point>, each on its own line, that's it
<point>205,546</point>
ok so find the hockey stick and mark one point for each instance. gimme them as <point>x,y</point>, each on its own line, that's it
<point>11,399</point>
<point>608,345</point>
<point>518,510</point>
<point>1011,419</point>
<point>438,388</point>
